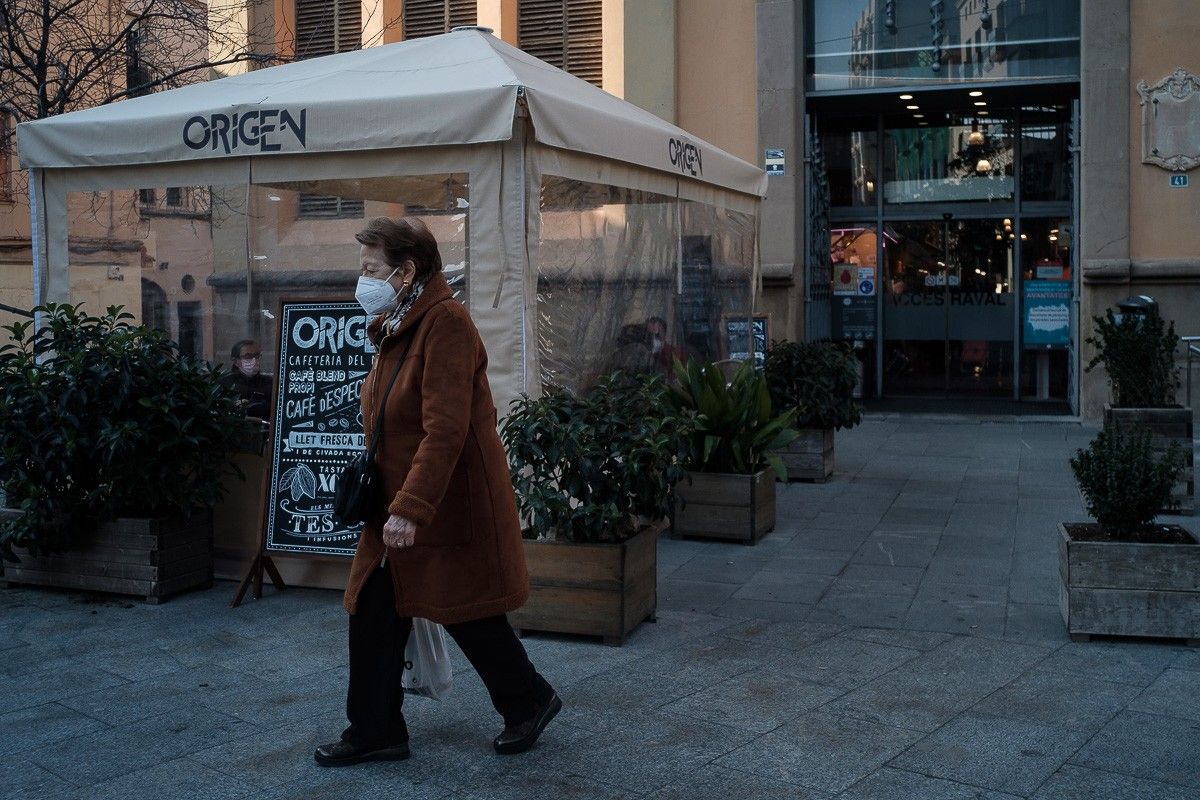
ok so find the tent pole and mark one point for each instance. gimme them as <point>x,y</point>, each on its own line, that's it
<point>37,240</point>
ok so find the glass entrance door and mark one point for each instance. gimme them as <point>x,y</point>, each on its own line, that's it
<point>948,310</point>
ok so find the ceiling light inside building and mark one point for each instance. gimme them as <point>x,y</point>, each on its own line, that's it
<point>975,93</point>
<point>912,108</point>
<point>981,102</point>
<point>983,166</point>
<point>975,138</point>
<point>906,97</point>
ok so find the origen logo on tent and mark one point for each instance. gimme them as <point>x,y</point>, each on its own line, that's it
<point>260,129</point>
<point>685,156</point>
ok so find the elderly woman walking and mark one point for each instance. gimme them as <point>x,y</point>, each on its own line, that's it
<point>447,547</point>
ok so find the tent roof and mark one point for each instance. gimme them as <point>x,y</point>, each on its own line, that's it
<point>457,88</point>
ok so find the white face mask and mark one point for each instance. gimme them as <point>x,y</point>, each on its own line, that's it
<point>248,366</point>
<point>376,295</point>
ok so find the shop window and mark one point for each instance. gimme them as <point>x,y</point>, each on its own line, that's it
<point>856,44</point>
<point>432,17</point>
<point>154,306</point>
<point>957,158</point>
<point>1045,154</point>
<point>190,201</point>
<point>324,27</point>
<point>191,326</point>
<point>851,153</point>
<point>137,73</point>
<point>565,33</point>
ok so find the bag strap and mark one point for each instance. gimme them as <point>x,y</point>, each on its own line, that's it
<point>388,390</point>
<point>383,406</point>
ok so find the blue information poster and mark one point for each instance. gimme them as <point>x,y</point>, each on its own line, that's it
<point>1047,307</point>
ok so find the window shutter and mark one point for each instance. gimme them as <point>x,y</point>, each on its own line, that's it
<point>433,17</point>
<point>349,25</point>
<point>313,206</point>
<point>565,33</point>
<point>324,27</point>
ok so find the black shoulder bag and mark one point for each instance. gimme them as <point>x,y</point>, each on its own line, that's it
<point>359,486</point>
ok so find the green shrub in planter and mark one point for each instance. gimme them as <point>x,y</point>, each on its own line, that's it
<point>101,419</point>
<point>593,468</point>
<point>735,429</point>
<point>817,379</point>
<point>1124,483</point>
<point>1138,353</point>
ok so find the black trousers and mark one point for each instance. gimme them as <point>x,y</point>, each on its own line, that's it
<point>378,636</point>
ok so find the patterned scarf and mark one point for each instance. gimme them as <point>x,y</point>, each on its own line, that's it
<point>402,308</point>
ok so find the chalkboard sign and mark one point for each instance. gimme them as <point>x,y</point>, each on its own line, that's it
<point>324,356</point>
<point>738,344</point>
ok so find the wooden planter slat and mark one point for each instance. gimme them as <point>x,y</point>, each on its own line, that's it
<point>91,583</point>
<point>810,456</point>
<point>1129,589</point>
<point>603,590</point>
<point>79,566</point>
<point>151,558</point>
<point>1166,425</point>
<point>720,506</point>
<point>1118,564</point>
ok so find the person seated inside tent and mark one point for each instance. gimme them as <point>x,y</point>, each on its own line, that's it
<point>254,389</point>
<point>665,353</point>
<point>634,354</point>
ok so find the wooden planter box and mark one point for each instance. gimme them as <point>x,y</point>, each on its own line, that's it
<point>718,506</point>
<point>603,590</point>
<point>810,456</point>
<point>1129,589</point>
<point>152,558</point>
<point>1166,425</point>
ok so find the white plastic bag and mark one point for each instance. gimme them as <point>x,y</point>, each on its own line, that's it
<point>427,669</point>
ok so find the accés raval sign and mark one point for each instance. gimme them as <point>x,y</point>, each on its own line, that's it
<point>263,129</point>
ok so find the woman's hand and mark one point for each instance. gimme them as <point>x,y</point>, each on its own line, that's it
<point>399,532</point>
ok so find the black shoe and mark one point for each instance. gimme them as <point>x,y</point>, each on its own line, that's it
<point>343,754</point>
<point>519,738</point>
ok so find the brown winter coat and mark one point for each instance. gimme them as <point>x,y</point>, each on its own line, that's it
<point>444,468</point>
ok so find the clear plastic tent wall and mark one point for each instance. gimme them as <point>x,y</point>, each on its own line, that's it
<point>566,222</point>
<point>633,271</point>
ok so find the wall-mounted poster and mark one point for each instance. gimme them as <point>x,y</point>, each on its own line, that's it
<point>746,337</point>
<point>1047,306</point>
<point>324,355</point>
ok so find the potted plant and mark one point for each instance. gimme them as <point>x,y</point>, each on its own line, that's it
<point>729,492</point>
<point>817,380</point>
<point>1137,352</point>
<point>112,447</point>
<point>593,477</point>
<point>1125,575</point>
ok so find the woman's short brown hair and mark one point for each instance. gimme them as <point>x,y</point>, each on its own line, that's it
<point>401,239</point>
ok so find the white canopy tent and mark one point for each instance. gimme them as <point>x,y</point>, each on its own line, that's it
<point>527,141</point>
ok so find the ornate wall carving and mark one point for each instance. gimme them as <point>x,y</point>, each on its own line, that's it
<point>1171,121</point>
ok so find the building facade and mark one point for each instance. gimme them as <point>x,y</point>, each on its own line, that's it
<point>958,187</point>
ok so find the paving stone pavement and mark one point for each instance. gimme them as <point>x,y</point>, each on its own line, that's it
<point>895,637</point>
